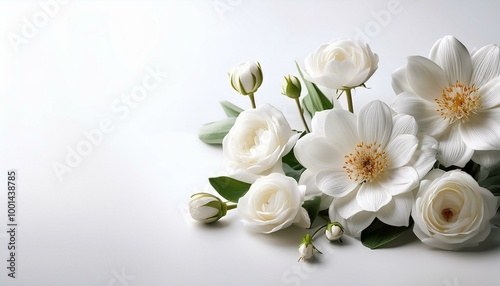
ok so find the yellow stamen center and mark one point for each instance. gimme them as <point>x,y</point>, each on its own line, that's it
<point>366,162</point>
<point>458,102</point>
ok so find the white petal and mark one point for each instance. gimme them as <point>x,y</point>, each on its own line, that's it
<point>400,180</point>
<point>400,81</point>
<point>425,156</point>
<point>308,179</point>
<point>428,119</point>
<point>318,153</point>
<point>452,149</point>
<point>397,212</point>
<point>375,123</point>
<point>347,206</point>
<point>426,78</point>
<point>302,219</point>
<point>486,64</point>
<point>354,225</point>
<point>482,131</point>
<point>454,58</point>
<point>400,150</point>
<point>371,197</point>
<point>486,158</point>
<point>318,122</point>
<point>340,127</point>
<point>404,124</point>
<point>343,72</point>
<point>490,94</point>
<point>335,183</point>
<point>359,77</point>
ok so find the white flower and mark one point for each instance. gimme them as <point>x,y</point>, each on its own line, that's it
<point>367,163</point>
<point>341,64</point>
<point>452,211</point>
<point>256,143</point>
<point>334,231</point>
<point>272,203</point>
<point>308,179</point>
<point>206,208</point>
<point>246,77</point>
<point>454,97</point>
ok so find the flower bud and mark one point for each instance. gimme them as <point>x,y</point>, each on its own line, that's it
<point>334,231</point>
<point>246,77</point>
<point>306,248</point>
<point>206,208</point>
<point>291,87</point>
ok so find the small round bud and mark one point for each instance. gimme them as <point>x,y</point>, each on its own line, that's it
<point>246,77</point>
<point>291,87</point>
<point>306,248</point>
<point>334,231</point>
<point>206,208</point>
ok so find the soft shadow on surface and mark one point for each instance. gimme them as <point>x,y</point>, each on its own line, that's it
<point>220,224</point>
<point>492,242</point>
<point>290,236</point>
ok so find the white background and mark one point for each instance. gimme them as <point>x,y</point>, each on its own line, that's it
<point>120,216</point>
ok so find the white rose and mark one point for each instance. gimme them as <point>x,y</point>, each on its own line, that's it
<point>246,77</point>
<point>341,64</point>
<point>452,211</point>
<point>272,203</point>
<point>256,143</point>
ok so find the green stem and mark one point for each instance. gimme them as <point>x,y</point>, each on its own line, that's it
<point>301,112</point>
<point>252,100</point>
<point>349,100</point>
<point>230,207</point>
<point>312,236</point>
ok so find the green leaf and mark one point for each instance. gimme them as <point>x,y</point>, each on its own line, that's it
<point>308,105</point>
<point>230,109</point>
<point>214,132</point>
<point>492,183</point>
<point>312,208</point>
<point>379,233</point>
<point>318,100</point>
<point>291,160</point>
<point>291,172</point>
<point>229,188</point>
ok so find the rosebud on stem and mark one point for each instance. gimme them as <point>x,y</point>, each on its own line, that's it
<point>291,87</point>
<point>208,208</point>
<point>334,231</point>
<point>306,248</point>
<point>246,78</point>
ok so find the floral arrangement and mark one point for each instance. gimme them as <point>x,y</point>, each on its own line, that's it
<point>429,161</point>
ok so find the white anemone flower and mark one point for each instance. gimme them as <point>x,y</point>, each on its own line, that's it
<point>454,97</point>
<point>368,163</point>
